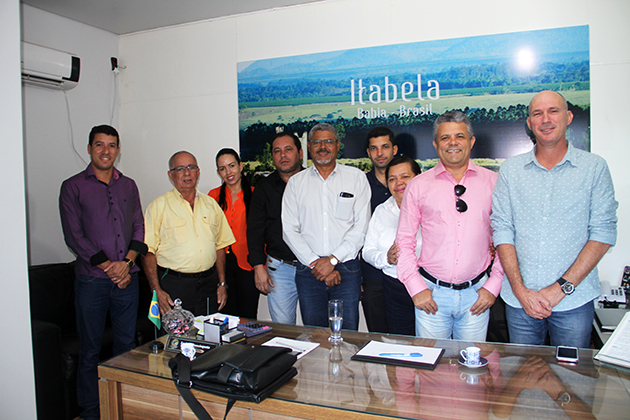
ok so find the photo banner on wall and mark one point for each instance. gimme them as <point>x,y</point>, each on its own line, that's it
<point>405,87</point>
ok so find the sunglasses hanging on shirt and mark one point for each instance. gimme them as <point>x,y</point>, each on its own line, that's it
<point>460,205</point>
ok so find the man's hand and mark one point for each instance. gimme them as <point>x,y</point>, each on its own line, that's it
<point>222,296</point>
<point>392,254</point>
<point>124,282</point>
<point>483,303</point>
<point>116,271</point>
<point>321,268</point>
<point>424,301</point>
<point>553,293</point>
<point>535,304</point>
<point>262,279</point>
<point>164,301</point>
<point>333,279</point>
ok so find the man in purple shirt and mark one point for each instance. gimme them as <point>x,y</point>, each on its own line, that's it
<point>450,284</point>
<point>102,223</point>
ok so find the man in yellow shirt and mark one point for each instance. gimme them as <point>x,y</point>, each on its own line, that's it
<point>187,234</point>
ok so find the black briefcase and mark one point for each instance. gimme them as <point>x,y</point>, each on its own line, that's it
<point>236,372</point>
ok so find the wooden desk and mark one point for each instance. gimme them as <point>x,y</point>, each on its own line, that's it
<point>138,385</point>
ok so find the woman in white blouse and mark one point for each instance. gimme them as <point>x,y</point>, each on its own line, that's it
<point>381,251</point>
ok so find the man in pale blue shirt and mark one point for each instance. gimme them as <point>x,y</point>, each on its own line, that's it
<point>554,217</point>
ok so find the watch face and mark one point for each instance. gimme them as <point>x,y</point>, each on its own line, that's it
<point>567,288</point>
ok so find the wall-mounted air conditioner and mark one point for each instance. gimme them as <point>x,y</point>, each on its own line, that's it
<point>49,68</point>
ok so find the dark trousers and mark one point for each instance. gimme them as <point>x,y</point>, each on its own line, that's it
<point>314,295</point>
<point>94,297</point>
<point>401,318</point>
<point>373,299</point>
<point>198,294</point>
<point>242,293</point>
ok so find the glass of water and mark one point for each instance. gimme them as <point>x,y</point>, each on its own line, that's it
<point>335,320</point>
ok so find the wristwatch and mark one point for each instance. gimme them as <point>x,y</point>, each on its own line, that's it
<point>566,286</point>
<point>129,263</point>
<point>564,398</point>
<point>333,260</point>
<point>224,284</point>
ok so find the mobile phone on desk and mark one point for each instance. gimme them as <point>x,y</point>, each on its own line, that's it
<point>567,354</point>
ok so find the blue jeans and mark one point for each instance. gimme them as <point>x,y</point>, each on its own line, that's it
<point>94,296</point>
<point>283,296</point>
<point>567,328</point>
<point>453,315</point>
<point>314,295</point>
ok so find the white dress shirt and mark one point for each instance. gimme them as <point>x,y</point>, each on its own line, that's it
<point>322,217</point>
<point>381,235</point>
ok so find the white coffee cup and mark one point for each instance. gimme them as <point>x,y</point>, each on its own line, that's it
<point>471,355</point>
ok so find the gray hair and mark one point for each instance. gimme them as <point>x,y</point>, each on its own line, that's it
<point>455,116</point>
<point>323,127</point>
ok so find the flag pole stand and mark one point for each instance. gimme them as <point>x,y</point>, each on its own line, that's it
<point>156,345</point>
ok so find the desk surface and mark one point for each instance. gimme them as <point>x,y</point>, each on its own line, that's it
<point>519,381</point>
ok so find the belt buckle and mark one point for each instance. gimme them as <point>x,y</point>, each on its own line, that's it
<point>445,284</point>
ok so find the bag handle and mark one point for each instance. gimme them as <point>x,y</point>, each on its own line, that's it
<point>183,385</point>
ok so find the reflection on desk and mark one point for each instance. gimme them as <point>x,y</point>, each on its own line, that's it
<point>519,382</point>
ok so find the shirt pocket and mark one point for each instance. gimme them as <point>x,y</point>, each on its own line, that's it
<point>345,206</point>
<point>176,229</point>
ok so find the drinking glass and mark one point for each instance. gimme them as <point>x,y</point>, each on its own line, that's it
<point>335,320</point>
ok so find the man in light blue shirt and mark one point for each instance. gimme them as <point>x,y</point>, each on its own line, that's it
<point>554,217</point>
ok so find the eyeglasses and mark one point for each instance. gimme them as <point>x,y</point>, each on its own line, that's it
<point>182,169</point>
<point>460,205</point>
<point>327,142</point>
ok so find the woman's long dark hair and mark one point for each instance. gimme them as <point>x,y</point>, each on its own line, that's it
<point>245,184</point>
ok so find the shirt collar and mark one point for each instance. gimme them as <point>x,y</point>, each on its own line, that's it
<point>89,171</point>
<point>570,156</point>
<point>440,169</point>
<point>316,172</point>
<point>197,194</point>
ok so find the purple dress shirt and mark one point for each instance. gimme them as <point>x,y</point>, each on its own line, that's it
<point>101,221</point>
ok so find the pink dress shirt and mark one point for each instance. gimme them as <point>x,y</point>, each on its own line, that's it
<point>454,245</point>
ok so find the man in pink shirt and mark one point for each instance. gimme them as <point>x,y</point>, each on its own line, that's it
<point>454,283</point>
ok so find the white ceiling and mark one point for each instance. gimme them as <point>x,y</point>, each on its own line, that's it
<point>126,16</point>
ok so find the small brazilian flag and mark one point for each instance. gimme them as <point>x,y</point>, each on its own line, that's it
<point>154,311</point>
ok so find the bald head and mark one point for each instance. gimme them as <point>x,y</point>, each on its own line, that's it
<point>171,161</point>
<point>546,95</point>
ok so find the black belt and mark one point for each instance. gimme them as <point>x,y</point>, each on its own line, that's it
<point>455,286</point>
<point>290,262</point>
<point>187,275</point>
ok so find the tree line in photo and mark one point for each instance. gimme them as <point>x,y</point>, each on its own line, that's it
<point>495,128</point>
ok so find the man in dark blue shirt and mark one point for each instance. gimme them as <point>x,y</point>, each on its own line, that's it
<point>381,148</point>
<point>102,223</point>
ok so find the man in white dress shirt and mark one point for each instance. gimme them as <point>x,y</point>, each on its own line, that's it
<point>325,213</point>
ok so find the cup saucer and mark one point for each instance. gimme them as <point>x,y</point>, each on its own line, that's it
<point>482,362</point>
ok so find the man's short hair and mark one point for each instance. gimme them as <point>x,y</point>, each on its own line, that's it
<point>397,160</point>
<point>380,132</point>
<point>323,127</point>
<point>455,116</point>
<point>295,138</point>
<point>170,161</point>
<point>103,129</point>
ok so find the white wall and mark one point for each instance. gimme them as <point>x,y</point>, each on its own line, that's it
<point>50,157</point>
<point>180,89</point>
<point>17,388</point>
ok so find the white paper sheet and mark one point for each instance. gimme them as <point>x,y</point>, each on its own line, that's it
<point>402,352</point>
<point>298,346</point>
<point>615,350</point>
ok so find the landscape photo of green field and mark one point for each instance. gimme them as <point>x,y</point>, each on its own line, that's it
<point>490,78</point>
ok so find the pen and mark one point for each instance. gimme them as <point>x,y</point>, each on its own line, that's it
<point>401,354</point>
